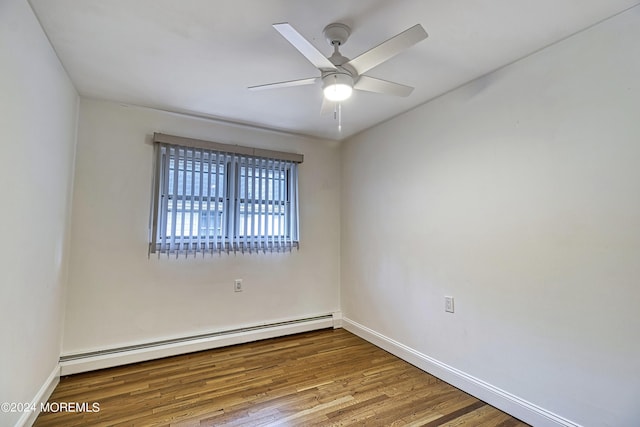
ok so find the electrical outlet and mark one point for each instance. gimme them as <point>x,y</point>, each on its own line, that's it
<point>448,304</point>
<point>237,285</point>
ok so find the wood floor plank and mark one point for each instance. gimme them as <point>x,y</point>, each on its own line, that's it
<point>321,378</point>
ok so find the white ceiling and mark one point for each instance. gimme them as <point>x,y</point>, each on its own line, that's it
<point>199,56</point>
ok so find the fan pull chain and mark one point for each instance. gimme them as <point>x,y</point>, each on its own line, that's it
<point>337,115</point>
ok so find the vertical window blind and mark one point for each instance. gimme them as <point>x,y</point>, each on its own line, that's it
<point>222,199</point>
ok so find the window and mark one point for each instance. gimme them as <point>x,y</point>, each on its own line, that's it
<point>211,197</point>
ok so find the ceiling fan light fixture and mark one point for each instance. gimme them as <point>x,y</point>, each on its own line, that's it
<point>337,87</point>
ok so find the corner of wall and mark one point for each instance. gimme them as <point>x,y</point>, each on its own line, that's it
<point>40,399</point>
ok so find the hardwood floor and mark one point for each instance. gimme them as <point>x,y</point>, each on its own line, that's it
<point>324,378</point>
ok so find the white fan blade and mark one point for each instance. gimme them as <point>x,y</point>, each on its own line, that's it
<point>307,49</point>
<point>371,84</point>
<point>327,106</point>
<point>388,49</point>
<point>289,83</point>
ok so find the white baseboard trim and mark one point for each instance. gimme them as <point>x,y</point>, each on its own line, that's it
<point>503,400</point>
<point>42,396</point>
<point>76,363</point>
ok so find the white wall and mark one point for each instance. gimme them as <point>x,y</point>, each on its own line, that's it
<point>117,296</point>
<point>38,111</point>
<point>519,195</point>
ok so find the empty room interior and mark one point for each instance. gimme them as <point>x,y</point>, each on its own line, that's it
<point>184,176</point>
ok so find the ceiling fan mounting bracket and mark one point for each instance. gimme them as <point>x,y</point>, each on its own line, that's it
<point>336,33</point>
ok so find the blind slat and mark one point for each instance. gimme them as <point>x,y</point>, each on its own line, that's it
<point>164,197</point>
<point>261,201</point>
<point>226,205</point>
<point>200,200</point>
<point>245,243</point>
<point>278,205</point>
<point>174,200</point>
<point>183,175</point>
<point>270,198</point>
<point>254,204</point>
<point>192,197</point>
<point>213,185</point>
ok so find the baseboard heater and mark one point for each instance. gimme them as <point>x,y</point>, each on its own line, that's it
<point>92,360</point>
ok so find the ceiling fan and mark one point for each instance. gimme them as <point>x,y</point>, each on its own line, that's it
<point>340,75</point>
